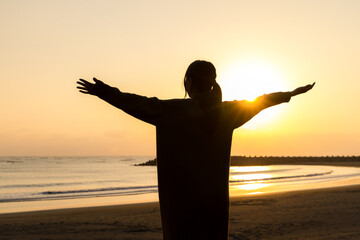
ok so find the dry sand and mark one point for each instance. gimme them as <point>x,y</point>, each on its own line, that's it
<point>332,213</point>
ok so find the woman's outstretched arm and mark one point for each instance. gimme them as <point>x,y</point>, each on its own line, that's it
<point>272,99</point>
<point>143,108</point>
<point>245,110</point>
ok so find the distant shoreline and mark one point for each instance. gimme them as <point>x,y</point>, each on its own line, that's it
<point>272,160</point>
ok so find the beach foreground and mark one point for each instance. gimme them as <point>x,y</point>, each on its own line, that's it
<point>332,213</point>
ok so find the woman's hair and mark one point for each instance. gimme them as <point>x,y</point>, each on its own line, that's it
<point>203,80</point>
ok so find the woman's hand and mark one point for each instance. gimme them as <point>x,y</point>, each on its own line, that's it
<point>91,88</point>
<point>303,89</point>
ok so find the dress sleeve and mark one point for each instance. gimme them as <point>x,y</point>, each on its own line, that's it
<point>143,108</point>
<point>242,111</point>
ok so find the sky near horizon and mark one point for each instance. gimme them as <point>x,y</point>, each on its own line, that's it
<point>144,47</point>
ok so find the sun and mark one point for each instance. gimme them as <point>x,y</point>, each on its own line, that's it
<point>249,79</point>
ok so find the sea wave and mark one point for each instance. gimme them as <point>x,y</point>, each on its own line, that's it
<point>301,176</point>
<point>84,193</point>
<point>98,190</point>
<point>39,185</point>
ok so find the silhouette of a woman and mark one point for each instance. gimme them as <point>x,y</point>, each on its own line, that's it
<point>193,147</point>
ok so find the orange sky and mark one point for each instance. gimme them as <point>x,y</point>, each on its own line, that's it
<point>144,47</point>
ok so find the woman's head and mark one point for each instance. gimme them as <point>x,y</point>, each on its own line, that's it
<point>200,79</point>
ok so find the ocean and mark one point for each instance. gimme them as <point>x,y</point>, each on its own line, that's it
<point>41,183</point>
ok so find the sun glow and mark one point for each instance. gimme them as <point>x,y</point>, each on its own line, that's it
<point>250,79</point>
<point>247,80</point>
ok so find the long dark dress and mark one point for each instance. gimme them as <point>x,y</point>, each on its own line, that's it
<point>193,154</point>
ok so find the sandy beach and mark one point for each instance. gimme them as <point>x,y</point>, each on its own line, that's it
<point>332,213</point>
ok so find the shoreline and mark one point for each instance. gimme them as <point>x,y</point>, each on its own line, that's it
<point>330,213</point>
<point>151,203</point>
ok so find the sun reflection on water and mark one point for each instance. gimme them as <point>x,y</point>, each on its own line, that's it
<point>252,186</point>
<point>250,177</point>
<point>279,178</point>
<point>247,180</point>
<point>250,169</point>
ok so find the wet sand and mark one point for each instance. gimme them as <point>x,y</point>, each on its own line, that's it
<point>332,213</point>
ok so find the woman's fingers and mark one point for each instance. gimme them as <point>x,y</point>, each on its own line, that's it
<point>97,80</point>
<point>83,88</point>
<point>82,84</point>
<point>85,92</point>
<point>310,86</point>
<point>88,87</point>
<point>83,81</point>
